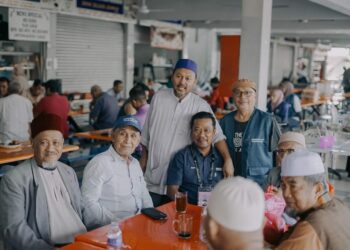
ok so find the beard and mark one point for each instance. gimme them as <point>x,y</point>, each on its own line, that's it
<point>49,165</point>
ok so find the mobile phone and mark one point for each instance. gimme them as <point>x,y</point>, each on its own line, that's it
<point>154,213</point>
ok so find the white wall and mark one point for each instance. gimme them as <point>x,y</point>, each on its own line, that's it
<point>281,62</point>
<point>202,48</point>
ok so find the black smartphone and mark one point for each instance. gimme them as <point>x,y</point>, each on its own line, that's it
<point>154,213</point>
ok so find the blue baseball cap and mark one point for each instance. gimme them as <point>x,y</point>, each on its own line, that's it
<point>128,120</point>
<point>186,64</point>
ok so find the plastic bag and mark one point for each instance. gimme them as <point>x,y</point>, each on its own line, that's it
<point>275,225</point>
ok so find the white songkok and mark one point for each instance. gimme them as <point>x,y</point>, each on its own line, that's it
<point>293,137</point>
<point>237,204</point>
<point>302,163</point>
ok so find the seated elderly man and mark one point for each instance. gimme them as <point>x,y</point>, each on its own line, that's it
<point>288,143</point>
<point>40,198</point>
<point>324,221</point>
<point>113,185</point>
<point>197,167</point>
<point>235,215</point>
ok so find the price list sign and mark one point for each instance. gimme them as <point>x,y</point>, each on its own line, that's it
<point>28,25</point>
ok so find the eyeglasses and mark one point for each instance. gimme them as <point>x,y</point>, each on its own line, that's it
<point>284,151</point>
<point>247,93</point>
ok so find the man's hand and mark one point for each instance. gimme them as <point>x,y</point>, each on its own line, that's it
<point>228,168</point>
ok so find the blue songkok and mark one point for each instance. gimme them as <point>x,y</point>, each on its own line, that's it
<point>186,64</point>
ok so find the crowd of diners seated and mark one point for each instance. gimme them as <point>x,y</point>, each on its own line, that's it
<point>182,147</point>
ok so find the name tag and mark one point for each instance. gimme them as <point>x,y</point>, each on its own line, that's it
<point>257,140</point>
<point>203,196</point>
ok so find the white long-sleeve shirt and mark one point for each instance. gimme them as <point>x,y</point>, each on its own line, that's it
<point>113,189</point>
<point>16,113</point>
<point>167,130</point>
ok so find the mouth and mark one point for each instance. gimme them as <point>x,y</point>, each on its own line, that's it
<point>181,88</point>
<point>50,154</point>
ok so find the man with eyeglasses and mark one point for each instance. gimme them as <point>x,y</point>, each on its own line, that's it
<point>197,168</point>
<point>252,135</point>
<point>288,143</point>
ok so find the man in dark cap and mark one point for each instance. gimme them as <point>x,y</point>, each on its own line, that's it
<point>167,129</point>
<point>40,198</point>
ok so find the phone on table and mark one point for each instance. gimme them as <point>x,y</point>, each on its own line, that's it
<point>154,214</point>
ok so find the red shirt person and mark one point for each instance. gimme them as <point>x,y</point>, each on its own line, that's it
<point>216,101</point>
<point>54,103</point>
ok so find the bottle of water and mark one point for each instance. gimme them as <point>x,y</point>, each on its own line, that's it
<point>202,234</point>
<point>114,237</point>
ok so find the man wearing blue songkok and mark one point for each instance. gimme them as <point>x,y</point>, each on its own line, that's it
<point>167,129</point>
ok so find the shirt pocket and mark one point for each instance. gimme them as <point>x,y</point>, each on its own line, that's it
<point>190,174</point>
<point>136,185</point>
<point>256,151</point>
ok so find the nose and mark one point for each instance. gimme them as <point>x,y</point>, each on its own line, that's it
<point>286,192</point>
<point>201,133</point>
<point>50,146</point>
<point>183,80</point>
<point>127,138</point>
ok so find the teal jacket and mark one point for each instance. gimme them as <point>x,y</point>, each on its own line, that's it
<point>260,138</point>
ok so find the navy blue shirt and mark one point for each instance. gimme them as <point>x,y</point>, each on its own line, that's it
<point>182,171</point>
<point>104,112</point>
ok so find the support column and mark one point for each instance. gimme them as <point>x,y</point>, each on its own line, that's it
<point>50,51</point>
<point>255,45</point>
<point>129,57</point>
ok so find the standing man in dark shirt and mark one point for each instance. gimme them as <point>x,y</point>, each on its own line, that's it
<point>197,168</point>
<point>105,109</point>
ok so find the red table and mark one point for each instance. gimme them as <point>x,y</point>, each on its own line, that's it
<point>80,246</point>
<point>102,135</point>
<point>141,232</point>
<point>26,152</point>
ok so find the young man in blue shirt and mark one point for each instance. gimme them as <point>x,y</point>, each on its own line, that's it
<point>197,167</point>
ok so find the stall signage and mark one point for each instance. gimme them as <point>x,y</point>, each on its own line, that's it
<point>166,38</point>
<point>114,6</point>
<point>28,25</point>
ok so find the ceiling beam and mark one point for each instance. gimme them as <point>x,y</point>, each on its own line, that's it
<point>341,6</point>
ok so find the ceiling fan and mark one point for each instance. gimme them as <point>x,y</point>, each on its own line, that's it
<point>142,8</point>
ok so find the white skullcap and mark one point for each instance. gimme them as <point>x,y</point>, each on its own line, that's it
<point>293,137</point>
<point>302,163</point>
<point>237,204</point>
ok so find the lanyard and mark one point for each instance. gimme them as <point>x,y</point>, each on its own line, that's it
<point>212,168</point>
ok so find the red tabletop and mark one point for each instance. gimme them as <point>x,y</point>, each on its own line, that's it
<point>103,134</point>
<point>141,232</point>
<point>25,152</point>
<point>80,246</point>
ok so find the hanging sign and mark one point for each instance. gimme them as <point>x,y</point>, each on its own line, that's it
<point>166,38</point>
<point>114,6</point>
<point>28,25</point>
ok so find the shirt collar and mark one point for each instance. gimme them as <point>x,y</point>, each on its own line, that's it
<point>117,156</point>
<point>187,97</point>
<point>211,153</point>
